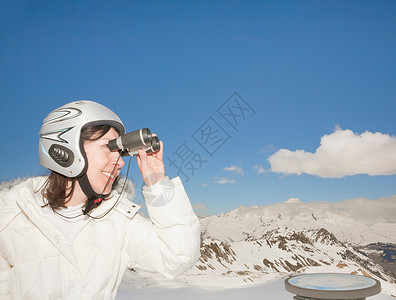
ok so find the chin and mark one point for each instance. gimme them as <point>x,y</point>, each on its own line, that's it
<point>107,191</point>
<point>99,190</point>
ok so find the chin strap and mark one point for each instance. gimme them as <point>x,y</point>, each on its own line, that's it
<point>93,197</point>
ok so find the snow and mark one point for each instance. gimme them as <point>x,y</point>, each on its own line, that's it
<point>293,200</point>
<point>135,288</point>
<point>271,290</point>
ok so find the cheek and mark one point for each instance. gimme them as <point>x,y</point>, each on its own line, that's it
<point>98,157</point>
<point>95,160</point>
<point>100,161</point>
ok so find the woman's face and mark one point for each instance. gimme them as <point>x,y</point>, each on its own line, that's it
<point>101,162</point>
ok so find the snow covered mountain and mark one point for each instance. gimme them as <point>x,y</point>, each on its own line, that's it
<point>347,222</point>
<point>257,244</point>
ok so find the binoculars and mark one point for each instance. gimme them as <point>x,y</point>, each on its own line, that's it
<point>130,143</point>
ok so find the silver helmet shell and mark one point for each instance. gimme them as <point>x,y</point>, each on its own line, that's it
<point>60,144</point>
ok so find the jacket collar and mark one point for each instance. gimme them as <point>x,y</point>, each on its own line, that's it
<point>117,203</point>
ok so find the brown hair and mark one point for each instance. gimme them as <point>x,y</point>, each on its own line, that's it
<point>55,189</point>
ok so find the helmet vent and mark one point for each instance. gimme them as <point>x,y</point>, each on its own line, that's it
<point>61,155</point>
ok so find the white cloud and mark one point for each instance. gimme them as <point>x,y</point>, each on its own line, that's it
<point>200,206</point>
<point>234,169</point>
<point>259,169</point>
<point>204,185</point>
<point>368,211</point>
<point>340,154</point>
<point>267,149</point>
<point>224,180</point>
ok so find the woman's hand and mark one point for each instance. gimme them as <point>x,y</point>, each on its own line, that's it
<point>151,165</point>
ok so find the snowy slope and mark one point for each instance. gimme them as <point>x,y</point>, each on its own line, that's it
<point>272,289</point>
<point>256,248</point>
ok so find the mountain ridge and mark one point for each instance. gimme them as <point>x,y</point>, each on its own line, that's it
<point>257,244</point>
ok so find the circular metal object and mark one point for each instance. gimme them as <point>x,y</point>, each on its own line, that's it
<point>332,286</point>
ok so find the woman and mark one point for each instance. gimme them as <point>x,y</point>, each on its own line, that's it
<point>70,236</point>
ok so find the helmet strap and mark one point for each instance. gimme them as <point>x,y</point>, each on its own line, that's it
<point>93,197</point>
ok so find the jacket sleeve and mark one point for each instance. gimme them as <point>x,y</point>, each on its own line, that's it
<point>5,270</point>
<point>169,243</point>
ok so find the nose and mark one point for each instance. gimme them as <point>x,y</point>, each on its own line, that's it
<point>117,160</point>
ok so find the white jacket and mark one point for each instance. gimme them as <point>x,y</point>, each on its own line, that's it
<point>37,262</point>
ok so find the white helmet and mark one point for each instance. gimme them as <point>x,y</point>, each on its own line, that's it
<point>60,144</point>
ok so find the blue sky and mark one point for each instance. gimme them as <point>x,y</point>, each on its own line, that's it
<point>303,70</point>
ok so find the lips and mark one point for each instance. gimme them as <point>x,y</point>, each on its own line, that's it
<point>108,174</point>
